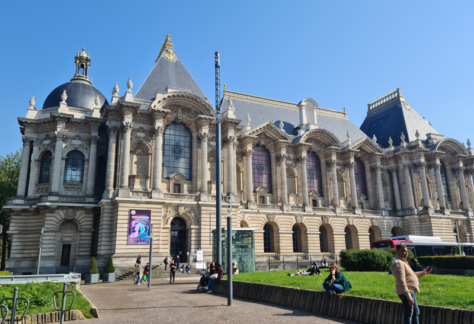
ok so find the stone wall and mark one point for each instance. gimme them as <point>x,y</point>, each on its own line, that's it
<point>359,309</point>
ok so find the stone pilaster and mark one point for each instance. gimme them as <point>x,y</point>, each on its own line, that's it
<point>25,161</point>
<point>204,135</point>
<point>34,169</point>
<point>396,189</point>
<point>92,166</point>
<point>409,190</point>
<point>284,188</point>
<point>158,163</point>
<point>439,185</point>
<point>381,199</point>
<point>109,180</point>
<point>124,190</point>
<point>332,163</point>
<point>462,187</point>
<point>58,154</point>
<point>424,186</point>
<point>352,179</point>
<point>304,180</point>
<point>230,164</point>
<point>250,202</point>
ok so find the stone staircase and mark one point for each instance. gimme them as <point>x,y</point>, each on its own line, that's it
<point>128,275</point>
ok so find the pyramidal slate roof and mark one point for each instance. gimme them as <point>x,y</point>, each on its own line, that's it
<point>168,71</point>
<point>390,116</point>
<point>262,110</point>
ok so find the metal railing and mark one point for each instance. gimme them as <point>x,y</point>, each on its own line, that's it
<point>14,300</point>
<point>277,261</point>
<point>63,305</point>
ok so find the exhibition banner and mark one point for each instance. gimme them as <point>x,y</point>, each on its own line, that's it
<point>139,226</point>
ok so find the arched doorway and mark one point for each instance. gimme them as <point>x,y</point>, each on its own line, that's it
<point>374,234</point>
<point>397,231</point>
<point>68,240</point>
<point>348,236</point>
<point>244,224</point>
<point>178,239</point>
<point>325,238</point>
<point>268,238</point>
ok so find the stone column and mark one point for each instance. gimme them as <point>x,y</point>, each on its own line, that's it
<point>127,128</point>
<point>25,161</point>
<point>409,190</point>
<point>34,169</point>
<point>58,155</point>
<point>378,170</point>
<point>158,163</point>
<point>304,181</point>
<point>439,185</point>
<point>396,189</point>
<point>204,194</point>
<point>353,185</point>
<point>284,188</point>
<point>109,180</point>
<point>230,165</point>
<point>234,167</point>
<point>462,185</point>
<point>250,201</point>
<point>424,185</point>
<point>92,166</point>
<point>335,191</point>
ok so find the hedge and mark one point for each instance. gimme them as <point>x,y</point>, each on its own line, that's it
<point>368,260</point>
<point>448,262</point>
<point>5,273</point>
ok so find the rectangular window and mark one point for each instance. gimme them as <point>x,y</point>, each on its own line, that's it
<point>65,255</point>
<point>261,200</point>
<point>177,188</point>
<point>314,203</point>
<point>377,127</point>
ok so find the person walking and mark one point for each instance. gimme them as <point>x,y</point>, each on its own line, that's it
<point>172,270</point>
<point>407,284</point>
<point>139,260</point>
<point>146,273</point>
<point>138,273</point>
<point>165,261</point>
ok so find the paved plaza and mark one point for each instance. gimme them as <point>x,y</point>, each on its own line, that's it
<point>125,303</point>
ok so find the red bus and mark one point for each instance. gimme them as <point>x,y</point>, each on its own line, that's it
<point>423,245</point>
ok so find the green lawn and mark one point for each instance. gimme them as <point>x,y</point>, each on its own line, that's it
<point>436,290</point>
<point>41,298</point>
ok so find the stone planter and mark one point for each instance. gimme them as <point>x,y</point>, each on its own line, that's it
<point>109,277</point>
<point>92,278</point>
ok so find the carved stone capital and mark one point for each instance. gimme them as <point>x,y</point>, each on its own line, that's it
<point>331,163</point>
<point>281,157</point>
<point>204,137</point>
<point>26,141</point>
<point>37,142</point>
<point>112,131</point>
<point>159,130</point>
<point>127,127</point>
<point>393,169</point>
<point>248,153</point>
<point>59,136</point>
<point>302,159</point>
<point>94,140</point>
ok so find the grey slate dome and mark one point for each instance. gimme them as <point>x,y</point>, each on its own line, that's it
<point>79,95</point>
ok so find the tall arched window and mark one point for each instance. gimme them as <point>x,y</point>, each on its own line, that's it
<point>45,168</point>
<point>348,232</point>
<point>297,241</point>
<point>262,168</point>
<point>444,180</point>
<point>435,183</point>
<point>74,170</point>
<point>100,171</point>
<point>267,238</point>
<point>323,239</point>
<point>359,170</point>
<point>177,150</point>
<point>313,171</point>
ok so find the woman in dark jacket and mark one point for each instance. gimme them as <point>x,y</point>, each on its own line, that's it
<point>172,270</point>
<point>336,282</point>
<point>212,281</point>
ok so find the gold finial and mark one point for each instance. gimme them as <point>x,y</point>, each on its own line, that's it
<point>225,87</point>
<point>168,47</point>
<point>344,110</point>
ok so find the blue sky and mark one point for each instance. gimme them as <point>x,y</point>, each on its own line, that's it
<point>340,53</point>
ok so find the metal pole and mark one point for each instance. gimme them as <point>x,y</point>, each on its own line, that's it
<point>229,261</point>
<point>151,255</point>
<point>63,306</point>
<point>39,251</point>
<point>218,164</point>
<point>15,297</point>
<point>457,234</point>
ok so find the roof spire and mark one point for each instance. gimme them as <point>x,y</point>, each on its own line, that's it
<point>167,49</point>
<point>82,61</point>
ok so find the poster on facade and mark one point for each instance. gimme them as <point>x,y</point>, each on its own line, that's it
<point>199,260</point>
<point>139,226</point>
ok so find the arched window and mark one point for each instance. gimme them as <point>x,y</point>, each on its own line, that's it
<point>297,242</point>
<point>313,171</point>
<point>267,238</point>
<point>359,170</point>
<point>435,183</point>
<point>323,239</point>
<point>177,150</point>
<point>442,170</point>
<point>45,168</point>
<point>261,168</point>
<point>100,171</point>
<point>348,232</point>
<point>74,170</point>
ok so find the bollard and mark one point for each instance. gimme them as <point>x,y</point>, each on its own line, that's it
<point>4,317</point>
<point>15,301</point>
<point>63,306</point>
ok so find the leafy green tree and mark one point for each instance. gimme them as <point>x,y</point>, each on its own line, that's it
<point>9,175</point>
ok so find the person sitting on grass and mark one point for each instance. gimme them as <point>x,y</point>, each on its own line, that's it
<point>235,270</point>
<point>324,263</point>
<point>336,282</point>
<point>314,270</point>
<point>298,273</point>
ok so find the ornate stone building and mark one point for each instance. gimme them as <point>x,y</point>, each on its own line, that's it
<point>306,178</point>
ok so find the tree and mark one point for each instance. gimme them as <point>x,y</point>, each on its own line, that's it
<point>9,175</point>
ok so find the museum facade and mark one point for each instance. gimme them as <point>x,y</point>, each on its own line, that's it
<point>96,175</point>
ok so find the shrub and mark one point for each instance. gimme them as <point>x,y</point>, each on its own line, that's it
<point>5,273</point>
<point>93,268</point>
<point>366,260</point>
<point>448,262</point>
<point>110,266</point>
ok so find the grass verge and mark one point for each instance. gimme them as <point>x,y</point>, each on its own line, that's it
<point>41,298</point>
<point>436,290</point>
